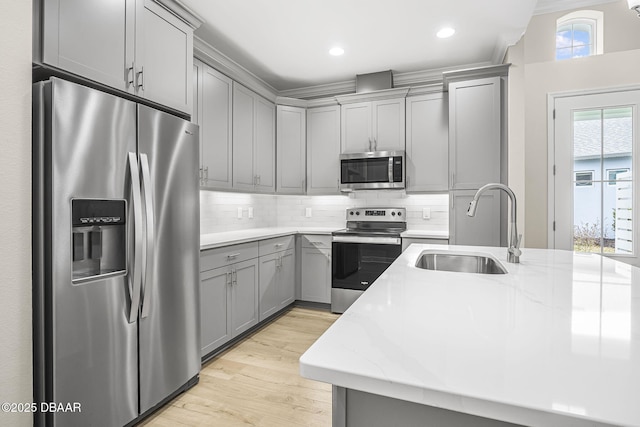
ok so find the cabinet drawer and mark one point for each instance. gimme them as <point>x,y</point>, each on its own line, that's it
<point>219,257</point>
<point>316,241</point>
<point>277,244</point>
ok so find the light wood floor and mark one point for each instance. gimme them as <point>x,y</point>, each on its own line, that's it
<point>257,381</point>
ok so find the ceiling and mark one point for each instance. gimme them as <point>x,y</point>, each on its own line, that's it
<point>286,42</point>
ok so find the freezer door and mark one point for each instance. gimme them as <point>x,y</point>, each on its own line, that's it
<point>169,322</point>
<point>88,346</point>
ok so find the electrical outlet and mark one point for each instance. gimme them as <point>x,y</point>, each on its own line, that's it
<point>307,212</point>
<point>239,213</point>
<point>250,212</point>
<point>426,213</point>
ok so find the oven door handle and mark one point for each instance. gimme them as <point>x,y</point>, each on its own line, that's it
<point>369,240</point>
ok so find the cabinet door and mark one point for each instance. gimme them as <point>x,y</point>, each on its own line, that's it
<point>484,229</point>
<point>427,143</point>
<point>388,125</point>
<point>243,128</point>
<point>287,278</point>
<point>356,128</point>
<point>244,296</point>
<point>164,56</point>
<point>268,284</point>
<point>215,315</point>
<point>91,38</point>
<point>474,133</point>
<point>215,128</point>
<point>323,150</point>
<point>265,145</point>
<point>290,147</point>
<point>316,275</point>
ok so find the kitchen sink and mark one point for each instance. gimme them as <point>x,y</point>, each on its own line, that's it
<point>461,262</point>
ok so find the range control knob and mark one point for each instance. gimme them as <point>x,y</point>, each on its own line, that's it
<point>393,213</point>
<point>351,213</point>
<point>399,213</point>
<point>358,213</point>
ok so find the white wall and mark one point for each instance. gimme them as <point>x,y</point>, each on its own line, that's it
<point>15,208</point>
<point>219,210</point>
<point>536,74</point>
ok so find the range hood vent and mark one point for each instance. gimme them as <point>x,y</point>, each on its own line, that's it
<point>374,81</point>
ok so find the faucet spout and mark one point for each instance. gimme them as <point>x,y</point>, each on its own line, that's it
<point>513,252</point>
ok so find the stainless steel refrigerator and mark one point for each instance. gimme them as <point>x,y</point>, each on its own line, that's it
<point>116,255</point>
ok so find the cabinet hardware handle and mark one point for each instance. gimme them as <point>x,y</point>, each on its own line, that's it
<point>206,173</point>
<point>232,256</point>
<point>279,245</point>
<point>370,145</point>
<point>375,144</point>
<point>130,74</point>
<point>234,276</point>
<point>140,78</point>
<point>201,176</point>
<point>229,278</point>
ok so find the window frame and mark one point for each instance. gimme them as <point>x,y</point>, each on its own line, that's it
<point>595,20</point>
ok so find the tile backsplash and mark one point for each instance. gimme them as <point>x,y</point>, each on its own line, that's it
<point>222,211</point>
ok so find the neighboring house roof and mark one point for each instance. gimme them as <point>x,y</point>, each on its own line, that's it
<point>618,138</point>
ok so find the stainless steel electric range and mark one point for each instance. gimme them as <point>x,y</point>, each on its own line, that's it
<point>363,251</point>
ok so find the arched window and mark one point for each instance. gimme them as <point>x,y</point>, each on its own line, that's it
<point>579,34</point>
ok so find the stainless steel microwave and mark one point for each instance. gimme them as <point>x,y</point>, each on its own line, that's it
<point>372,170</point>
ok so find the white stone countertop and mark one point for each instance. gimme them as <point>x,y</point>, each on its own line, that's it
<point>426,234</point>
<point>225,238</point>
<point>555,342</point>
<point>215,240</point>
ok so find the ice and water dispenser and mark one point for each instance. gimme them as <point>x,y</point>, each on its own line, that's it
<point>99,239</point>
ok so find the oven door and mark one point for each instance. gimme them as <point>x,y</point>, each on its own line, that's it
<point>358,261</point>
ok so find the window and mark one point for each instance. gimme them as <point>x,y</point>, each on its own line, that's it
<point>614,175</point>
<point>579,34</point>
<point>584,179</point>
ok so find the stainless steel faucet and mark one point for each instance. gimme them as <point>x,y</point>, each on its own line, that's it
<point>513,252</point>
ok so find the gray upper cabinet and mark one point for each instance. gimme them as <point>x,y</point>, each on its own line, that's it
<point>475,132</point>
<point>323,150</point>
<point>164,57</point>
<point>136,46</point>
<point>253,141</point>
<point>213,108</point>
<point>427,143</point>
<point>373,126</point>
<point>290,148</point>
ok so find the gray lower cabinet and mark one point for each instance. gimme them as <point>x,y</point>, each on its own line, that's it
<point>215,313</point>
<point>277,282</point>
<point>316,269</point>
<point>228,293</point>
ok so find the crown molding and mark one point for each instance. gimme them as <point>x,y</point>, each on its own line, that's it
<point>475,73</point>
<point>551,6</point>
<point>292,102</point>
<point>321,91</point>
<point>183,12</point>
<point>218,60</point>
<point>377,95</point>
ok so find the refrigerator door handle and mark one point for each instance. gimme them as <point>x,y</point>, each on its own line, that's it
<point>147,278</point>
<point>135,278</point>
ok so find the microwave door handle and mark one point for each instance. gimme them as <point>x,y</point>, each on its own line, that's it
<point>135,276</point>
<point>391,169</point>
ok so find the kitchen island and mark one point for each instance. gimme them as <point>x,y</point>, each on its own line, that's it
<point>554,342</point>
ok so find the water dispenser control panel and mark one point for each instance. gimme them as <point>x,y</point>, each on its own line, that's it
<point>99,238</point>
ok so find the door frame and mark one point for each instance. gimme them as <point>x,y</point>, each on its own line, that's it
<point>551,129</point>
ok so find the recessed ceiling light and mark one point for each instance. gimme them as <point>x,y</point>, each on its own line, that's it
<point>336,51</point>
<point>445,32</point>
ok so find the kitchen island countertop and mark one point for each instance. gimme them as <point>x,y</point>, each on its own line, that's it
<point>554,342</point>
